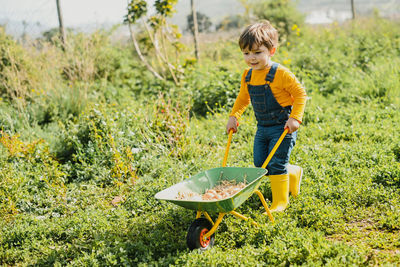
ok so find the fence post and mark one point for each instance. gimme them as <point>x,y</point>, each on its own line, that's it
<point>353,9</point>
<point>60,21</point>
<point>195,31</point>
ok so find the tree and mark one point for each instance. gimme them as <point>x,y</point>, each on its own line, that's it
<point>231,22</point>
<point>283,15</point>
<point>53,34</point>
<point>203,21</point>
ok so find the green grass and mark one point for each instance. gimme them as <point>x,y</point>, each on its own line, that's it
<point>69,152</point>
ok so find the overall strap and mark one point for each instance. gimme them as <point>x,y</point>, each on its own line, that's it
<point>248,76</point>
<point>271,74</point>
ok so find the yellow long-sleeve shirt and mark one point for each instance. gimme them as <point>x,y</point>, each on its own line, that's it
<point>286,89</point>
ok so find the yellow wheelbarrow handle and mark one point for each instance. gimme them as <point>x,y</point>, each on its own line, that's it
<point>227,148</point>
<point>275,148</point>
<point>269,156</point>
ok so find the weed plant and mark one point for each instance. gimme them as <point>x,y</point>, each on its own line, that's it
<point>88,138</point>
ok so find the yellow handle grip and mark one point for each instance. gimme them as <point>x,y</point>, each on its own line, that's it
<point>227,148</point>
<point>275,148</point>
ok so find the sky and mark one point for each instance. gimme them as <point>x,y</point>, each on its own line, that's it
<point>75,12</point>
<point>78,12</point>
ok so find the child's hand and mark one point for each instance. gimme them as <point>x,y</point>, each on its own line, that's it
<point>292,124</point>
<point>232,124</point>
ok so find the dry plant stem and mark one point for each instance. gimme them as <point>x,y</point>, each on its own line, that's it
<point>166,58</point>
<point>16,90</point>
<point>142,58</point>
<point>176,50</point>
<point>156,47</point>
<point>154,40</point>
<point>176,53</point>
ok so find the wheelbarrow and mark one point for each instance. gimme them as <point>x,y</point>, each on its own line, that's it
<point>201,233</point>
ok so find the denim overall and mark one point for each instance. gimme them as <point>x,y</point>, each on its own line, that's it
<point>271,118</point>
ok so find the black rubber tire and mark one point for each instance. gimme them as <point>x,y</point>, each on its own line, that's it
<point>195,231</point>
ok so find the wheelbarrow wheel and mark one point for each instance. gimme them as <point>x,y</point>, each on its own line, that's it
<point>197,230</point>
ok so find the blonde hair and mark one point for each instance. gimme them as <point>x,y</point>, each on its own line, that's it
<point>258,34</point>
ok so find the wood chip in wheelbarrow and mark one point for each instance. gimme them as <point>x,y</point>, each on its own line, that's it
<point>224,190</point>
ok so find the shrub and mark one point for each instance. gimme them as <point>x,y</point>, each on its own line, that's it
<point>17,71</point>
<point>91,150</point>
<point>282,14</point>
<point>31,180</point>
<point>213,89</point>
<point>231,22</point>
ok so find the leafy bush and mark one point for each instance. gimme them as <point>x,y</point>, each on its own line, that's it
<point>203,21</point>
<point>282,14</point>
<point>231,22</point>
<point>213,89</point>
<point>90,149</point>
<point>388,175</point>
<point>32,182</point>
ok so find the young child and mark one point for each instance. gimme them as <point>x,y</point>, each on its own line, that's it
<point>278,100</point>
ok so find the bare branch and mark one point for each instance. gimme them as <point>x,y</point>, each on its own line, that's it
<point>142,58</point>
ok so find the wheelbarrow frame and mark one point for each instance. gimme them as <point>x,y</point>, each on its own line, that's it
<point>228,205</point>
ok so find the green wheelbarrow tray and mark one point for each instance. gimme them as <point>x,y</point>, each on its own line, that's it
<point>205,180</point>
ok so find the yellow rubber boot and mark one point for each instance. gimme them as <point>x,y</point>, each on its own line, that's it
<point>295,175</point>
<point>280,192</point>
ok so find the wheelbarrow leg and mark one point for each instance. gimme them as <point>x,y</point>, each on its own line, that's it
<point>215,226</point>
<point>198,215</point>
<point>208,217</point>
<point>234,213</point>
<point>260,195</point>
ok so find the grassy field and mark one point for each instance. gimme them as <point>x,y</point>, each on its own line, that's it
<point>89,137</point>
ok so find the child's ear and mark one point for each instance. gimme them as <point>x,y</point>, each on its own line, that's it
<point>272,51</point>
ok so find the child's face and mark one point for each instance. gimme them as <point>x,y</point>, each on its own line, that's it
<point>258,57</point>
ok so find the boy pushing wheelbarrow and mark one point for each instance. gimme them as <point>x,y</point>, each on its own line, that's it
<point>278,100</point>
